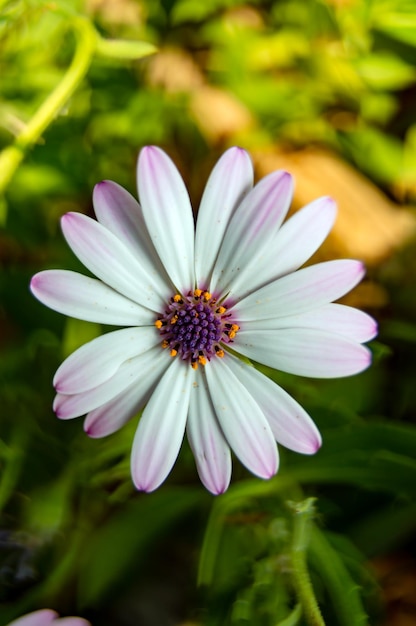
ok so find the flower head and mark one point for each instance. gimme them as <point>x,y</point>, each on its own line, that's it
<point>192,299</point>
<point>47,617</point>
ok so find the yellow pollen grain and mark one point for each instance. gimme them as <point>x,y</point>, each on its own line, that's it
<point>158,323</point>
<point>173,352</point>
<point>202,360</point>
<point>207,296</point>
<point>165,343</point>
<point>220,353</point>
<point>174,319</point>
<point>197,293</point>
<point>221,310</point>
<point>177,297</point>
<point>232,334</point>
<point>235,327</point>
<point>194,365</point>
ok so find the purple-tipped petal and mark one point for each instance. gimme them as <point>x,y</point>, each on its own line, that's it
<point>161,428</point>
<point>168,215</point>
<point>242,421</point>
<point>135,372</point>
<point>37,618</point>
<point>98,360</point>
<point>290,424</point>
<point>111,261</point>
<point>250,231</point>
<point>230,180</point>
<point>210,449</point>
<point>112,415</point>
<point>87,299</point>
<point>305,352</point>
<point>119,212</point>
<point>302,291</point>
<point>334,318</point>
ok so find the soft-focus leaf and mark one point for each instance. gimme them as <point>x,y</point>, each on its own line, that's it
<point>121,543</point>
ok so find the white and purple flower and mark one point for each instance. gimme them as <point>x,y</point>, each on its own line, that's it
<point>194,298</point>
<point>47,617</point>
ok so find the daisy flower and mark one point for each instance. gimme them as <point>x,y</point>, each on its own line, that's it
<point>194,299</point>
<point>46,617</point>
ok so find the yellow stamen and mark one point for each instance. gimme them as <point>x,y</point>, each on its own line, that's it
<point>207,296</point>
<point>219,353</point>
<point>158,323</point>
<point>194,365</point>
<point>202,360</point>
<point>177,297</point>
<point>221,310</point>
<point>173,352</point>
<point>235,327</point>
<point>174,319</point>
<point>165,343</point>
<point>232,334</point>
<point>197,293</point>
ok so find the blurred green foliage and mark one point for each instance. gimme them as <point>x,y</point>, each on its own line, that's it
<point>74,535</point>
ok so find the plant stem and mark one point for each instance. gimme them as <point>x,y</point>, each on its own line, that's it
<point>12,156</point>
<point>304,512</point>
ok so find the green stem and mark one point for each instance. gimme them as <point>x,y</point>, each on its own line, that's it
<point>12,156</point>
<point>304,512</point>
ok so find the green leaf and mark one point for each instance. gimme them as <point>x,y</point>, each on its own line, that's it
<point>117,546</point>
<point>400,25</point>
<point>384,71</point>
<point>342,589</point>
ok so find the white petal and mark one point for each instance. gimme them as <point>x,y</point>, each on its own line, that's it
<point>98,360</point>
<point>334,318</point>
<point>110,417</point>
<point>250,231</point>
<point>111,261</point>
<point>242,420</point>
<point>119,212</point>
<point>290,424</point>
<point>304,290</point>
<point>37,618</point>
<point>296,241</point>
<point>305,352</point>
<point>161,428</point>
<point>230,180</point>
<point>168,215</point>
<point>131,372</point>
<point>211,451</point>
<point>87,299</point>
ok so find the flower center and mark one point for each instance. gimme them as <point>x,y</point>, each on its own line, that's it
<point>196,327</point>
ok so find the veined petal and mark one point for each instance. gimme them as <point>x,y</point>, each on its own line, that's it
<point>111,261</point>
<point>135,372</point>
<point>210,449</point>
<point>112,415</point>
<point>334,318</point>
<point>305,352</point>
<point>37,618</point>
<point>307,289</point>
<point>119,212</point>
<point>295,242</point>
<point>87,299</point>
<point>242,421</point>
<point>168,215</point>
<point>229,182</point>
<point>290,424</point>
<point>161,428</point>
<point>250,231</point>
<point>98,360</point>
